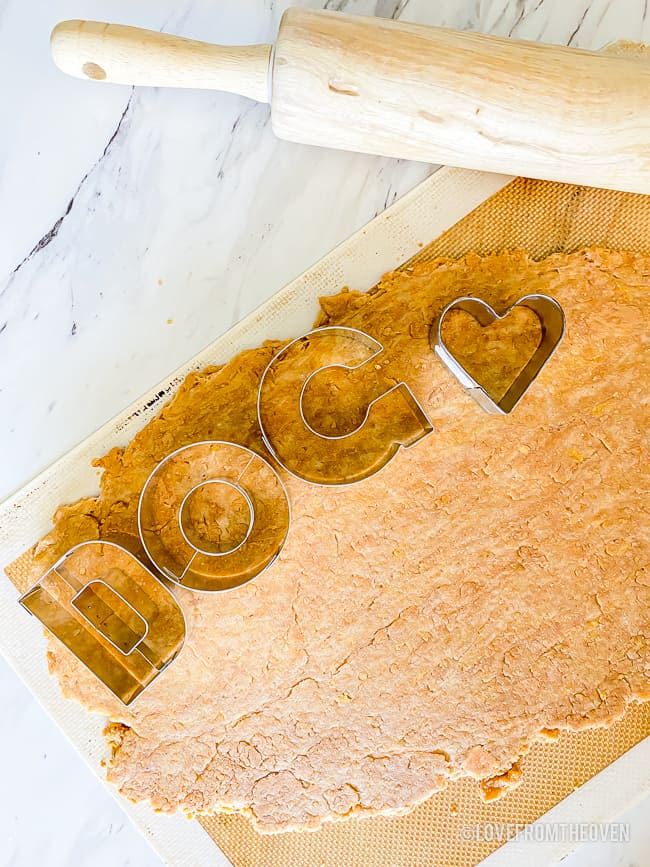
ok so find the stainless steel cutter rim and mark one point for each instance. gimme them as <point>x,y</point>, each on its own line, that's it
<point>234,486</point>
<point>74,548</point>
<point>378,348</point>
<point>125,601</point>
<point>253,454</point>
<point>553,323</point>
<point>54,568</point>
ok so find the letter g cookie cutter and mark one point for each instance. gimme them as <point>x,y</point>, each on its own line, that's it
<point>392,417</point>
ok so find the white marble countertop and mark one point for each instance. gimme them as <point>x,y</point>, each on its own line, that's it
<point>137,226</point>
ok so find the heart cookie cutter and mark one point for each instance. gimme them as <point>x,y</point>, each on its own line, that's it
<point>552,320</point>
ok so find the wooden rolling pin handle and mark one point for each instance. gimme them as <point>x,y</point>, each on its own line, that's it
<point>129,55</point>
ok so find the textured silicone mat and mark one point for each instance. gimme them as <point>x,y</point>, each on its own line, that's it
<point>463,211</point>
<point>543,218</point>
<point>444,830</point>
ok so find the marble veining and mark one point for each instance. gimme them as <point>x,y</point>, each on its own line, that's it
<point>137,226</point>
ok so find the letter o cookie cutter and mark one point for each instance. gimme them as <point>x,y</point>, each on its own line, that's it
<point>213,515</point>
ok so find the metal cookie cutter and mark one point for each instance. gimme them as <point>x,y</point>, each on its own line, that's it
<point>551,317</point>
<point>112,613</point>
<point>338,361</point>
<point>213,515</point>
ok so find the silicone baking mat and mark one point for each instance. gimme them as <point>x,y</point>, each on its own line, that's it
<point>463,211</point>
<point>542,218</point>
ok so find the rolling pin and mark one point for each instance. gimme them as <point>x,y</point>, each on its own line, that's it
<point>406,90</point>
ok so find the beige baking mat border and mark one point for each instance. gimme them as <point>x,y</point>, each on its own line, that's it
<point>392,238</point>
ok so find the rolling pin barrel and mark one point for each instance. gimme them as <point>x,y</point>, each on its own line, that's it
<point>409,91</point>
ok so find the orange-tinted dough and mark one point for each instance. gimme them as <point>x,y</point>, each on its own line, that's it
<point>490,585</point>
